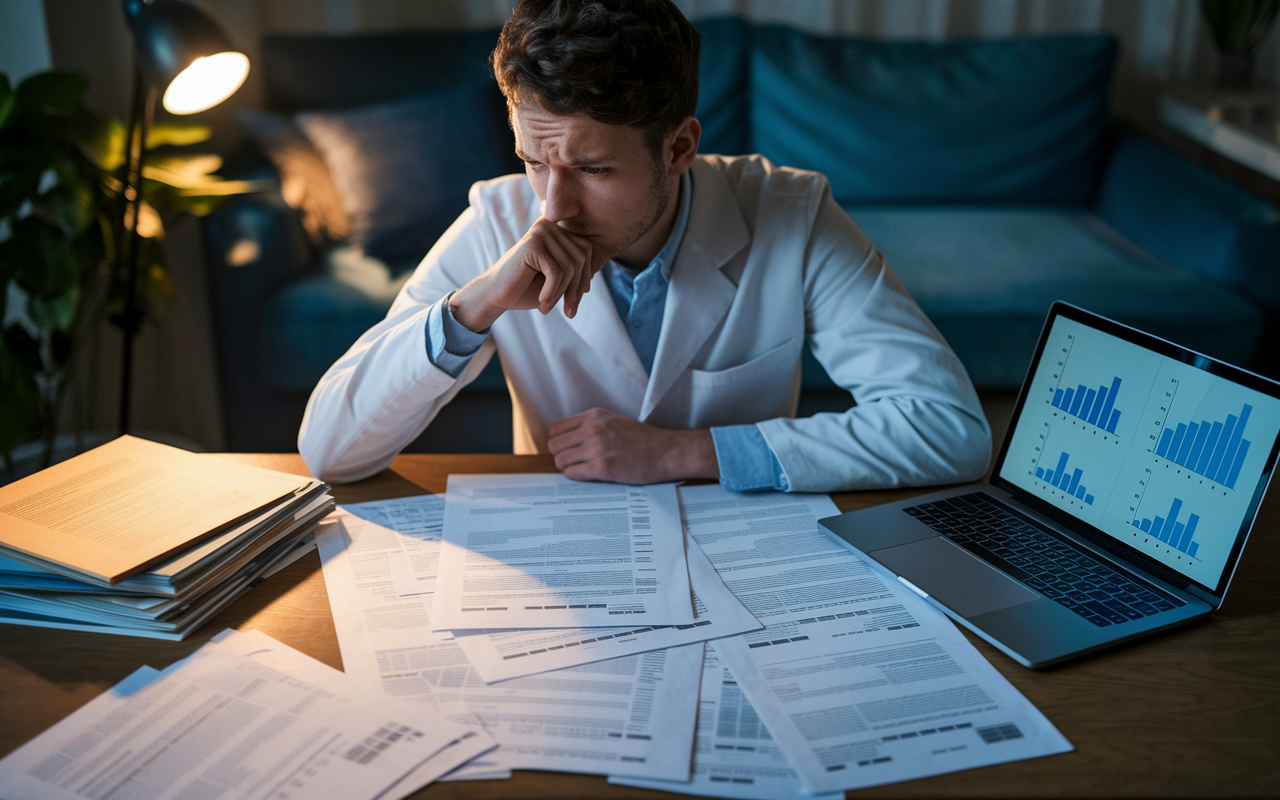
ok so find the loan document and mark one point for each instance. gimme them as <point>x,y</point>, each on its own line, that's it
<point>735,755</point>
<point>632,715</point>
<point>220,724</point>
<point>544,551</point>
<point>860,682</point>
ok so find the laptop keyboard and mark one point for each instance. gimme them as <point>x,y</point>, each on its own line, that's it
<point>1060,572</point>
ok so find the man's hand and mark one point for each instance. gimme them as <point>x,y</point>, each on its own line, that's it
<point>600,445</point>
<point>548,263</point>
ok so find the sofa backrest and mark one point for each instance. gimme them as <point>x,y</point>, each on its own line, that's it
<point>307,72</point>
<point>1017,120</point>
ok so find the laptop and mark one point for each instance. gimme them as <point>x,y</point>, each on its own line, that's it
<point>1119,504</point>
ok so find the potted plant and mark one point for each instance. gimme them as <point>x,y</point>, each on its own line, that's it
<point>61,217</point>
<point>1238,28</point>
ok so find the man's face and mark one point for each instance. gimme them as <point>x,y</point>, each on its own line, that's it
<point>596,180</point>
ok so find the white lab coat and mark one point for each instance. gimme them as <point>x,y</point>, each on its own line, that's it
<point>768,259</point>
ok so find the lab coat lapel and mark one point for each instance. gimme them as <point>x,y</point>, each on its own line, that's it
<point>700,294</point>
<point>599,325</point>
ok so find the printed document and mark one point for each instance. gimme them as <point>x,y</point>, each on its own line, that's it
<point>859,683</point>
<point>418,520</point>
<point>632,715</point>
<point>122,507</point>
<point>735,755</point>
<point>543,551</point>
<point>219,724</point>
<point>499,655</point>
<point>457,743</point>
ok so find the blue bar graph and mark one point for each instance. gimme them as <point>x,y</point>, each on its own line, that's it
<point>1094,406</point>
<point>1215,450</point>
<point>1064,479</point>
<point>1169,530</point>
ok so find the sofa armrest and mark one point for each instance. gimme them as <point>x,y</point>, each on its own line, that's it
<point>1192,219</point>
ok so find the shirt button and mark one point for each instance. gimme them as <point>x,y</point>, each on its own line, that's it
<point>637,323</point>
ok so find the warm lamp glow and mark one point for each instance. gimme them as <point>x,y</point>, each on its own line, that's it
<point>207,82</point>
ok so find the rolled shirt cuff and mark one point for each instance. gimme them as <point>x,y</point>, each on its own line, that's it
<point>747,463</point>
<point>450,344</point>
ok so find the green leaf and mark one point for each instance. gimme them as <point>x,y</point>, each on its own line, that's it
<point>54,93</point>
<point>69,207</point>
<point>178,133</point>
<point>19,394</point>
<point>6,99</point>
<point>183,171</point>
<point>55,313</point>
<point>102,140</point>
<point>46,260</point>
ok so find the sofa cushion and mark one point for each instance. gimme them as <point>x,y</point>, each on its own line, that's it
<point>305,181</point>
<point>1015,120</point>
<point>403,169</point>
<point>986,277</point>
<point>309,324</point>
<point>1193,219</point>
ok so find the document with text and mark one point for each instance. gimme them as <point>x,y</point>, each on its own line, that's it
<point>544,551</point>
<point>120,508</point>
<point>500,655</point>
<point>219,724</point>
<point>418,520</point>
<point>457,743</point>
<point>859,683</point>
<point>632,715</point>
<point>735,756</point>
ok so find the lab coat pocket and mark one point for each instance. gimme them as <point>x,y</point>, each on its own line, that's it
<point>765,387</point>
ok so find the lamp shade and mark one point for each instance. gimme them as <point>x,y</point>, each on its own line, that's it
<point>184,54</point>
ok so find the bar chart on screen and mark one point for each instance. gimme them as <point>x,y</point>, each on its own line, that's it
<point>1213,449</point>
<point>1167,528</point>
<point>1061,476</point>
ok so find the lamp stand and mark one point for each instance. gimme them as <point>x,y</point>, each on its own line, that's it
<point>129,253</point>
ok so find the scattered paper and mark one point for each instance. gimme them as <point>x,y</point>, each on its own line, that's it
<point>858,683</point>
<point>632,715</point>
<point>220,724</point>
<point>500,655</point>
<point>543,551</point>
<point>735,755</point>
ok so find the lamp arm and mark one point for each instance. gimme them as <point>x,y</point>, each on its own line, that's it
<point>129,319</point>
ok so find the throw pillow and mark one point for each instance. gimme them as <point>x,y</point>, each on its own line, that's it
<point>403,169</point>
<point>304,177</point>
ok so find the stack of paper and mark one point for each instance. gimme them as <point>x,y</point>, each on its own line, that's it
<point>142,539</point>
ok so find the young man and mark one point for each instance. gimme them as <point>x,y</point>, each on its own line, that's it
<point>650,305</point>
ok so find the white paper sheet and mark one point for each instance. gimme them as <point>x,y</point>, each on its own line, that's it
<point>500,655</point>
<point>859,684</point>
<point>218,724</point>
<point>418,520</point>
<point>456,743</point>
<point>735,755</point>
<point>543,551</point>
<point>631,715</point>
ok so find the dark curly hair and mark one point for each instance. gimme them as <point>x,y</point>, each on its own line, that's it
<point>621,62</point>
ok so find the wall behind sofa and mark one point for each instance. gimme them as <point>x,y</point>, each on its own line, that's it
<point>1162,43</point>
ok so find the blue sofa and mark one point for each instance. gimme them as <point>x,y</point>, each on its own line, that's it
<point>987,171</point>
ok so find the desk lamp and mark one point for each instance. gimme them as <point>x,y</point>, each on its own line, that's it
<point>180,52</point>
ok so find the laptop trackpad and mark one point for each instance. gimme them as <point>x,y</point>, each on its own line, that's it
<point>956,578</point>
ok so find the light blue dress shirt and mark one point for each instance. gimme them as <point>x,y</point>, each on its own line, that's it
<point>746,461</point>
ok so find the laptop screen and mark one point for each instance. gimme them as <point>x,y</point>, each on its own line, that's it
<point>1150,444</point>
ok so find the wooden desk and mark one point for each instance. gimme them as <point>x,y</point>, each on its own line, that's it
<point>1193,713</point>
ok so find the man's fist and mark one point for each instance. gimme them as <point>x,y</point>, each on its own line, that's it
<point>599,445</point>
<point>548,263</point>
